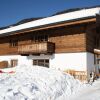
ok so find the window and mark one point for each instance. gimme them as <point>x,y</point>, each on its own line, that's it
<point>14,62</point>
<point>35,62</point>
<point>13,43</point>
<point>47,62</point>
<point>39,38</point>
<point>41,62</point>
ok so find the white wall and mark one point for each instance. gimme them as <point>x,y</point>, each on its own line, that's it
<point>90,63</point>
<point>27,60</point>
<point>21,59</point>
<point>65,61</point>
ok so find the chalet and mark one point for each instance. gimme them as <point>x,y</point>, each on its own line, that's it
<point>67,41</point>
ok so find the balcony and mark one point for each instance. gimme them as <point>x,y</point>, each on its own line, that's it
<point>37,48</point>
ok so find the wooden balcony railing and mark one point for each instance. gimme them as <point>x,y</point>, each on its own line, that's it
<point>37,48</point>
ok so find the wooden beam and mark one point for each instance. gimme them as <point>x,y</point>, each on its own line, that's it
<point>57,25</point>
<point>97,51</point>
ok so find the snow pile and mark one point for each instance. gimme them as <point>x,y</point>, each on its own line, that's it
<point>37,83</point>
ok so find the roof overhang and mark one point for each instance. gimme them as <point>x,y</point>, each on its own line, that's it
<point>66,19</point>
<point>55,25</point>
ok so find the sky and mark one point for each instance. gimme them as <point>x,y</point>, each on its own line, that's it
<point>12,11</point>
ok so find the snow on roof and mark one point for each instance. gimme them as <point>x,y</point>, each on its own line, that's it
<point>54,19</point>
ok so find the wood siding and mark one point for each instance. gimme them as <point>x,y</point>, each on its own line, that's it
<point>67,39</point>
<point>92,38</point>
<point>5,48</point>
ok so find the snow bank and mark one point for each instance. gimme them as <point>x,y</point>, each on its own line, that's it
<point>37,83</point>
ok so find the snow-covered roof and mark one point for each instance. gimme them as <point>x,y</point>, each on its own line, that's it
<point>54,19</point>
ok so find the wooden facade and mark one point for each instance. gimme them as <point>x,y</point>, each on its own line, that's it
<point>78,37</point>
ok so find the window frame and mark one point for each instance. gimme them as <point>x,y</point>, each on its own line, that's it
<point>41,62</point>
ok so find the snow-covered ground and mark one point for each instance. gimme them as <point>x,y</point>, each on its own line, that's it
<point>39,83</point>
<point>90,92</point>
